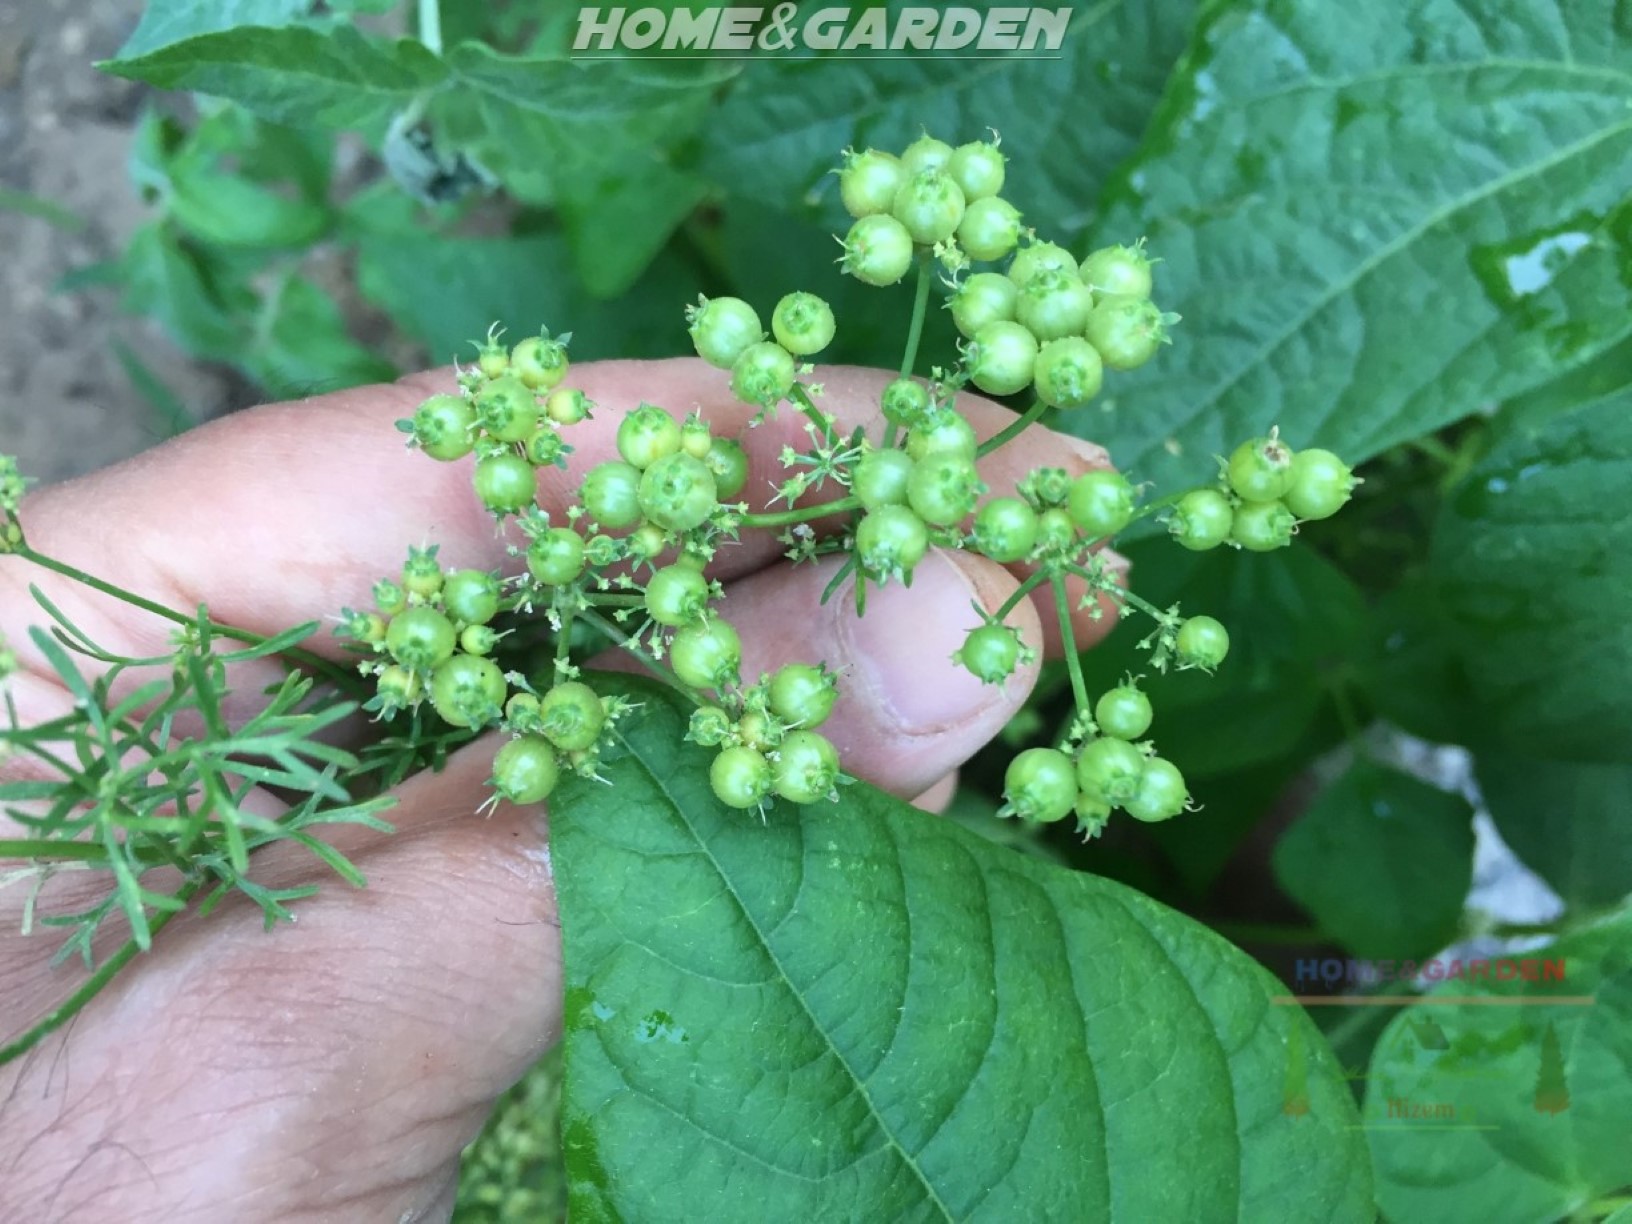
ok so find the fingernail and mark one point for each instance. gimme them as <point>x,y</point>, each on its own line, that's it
<point>1115,561</point>
<point>902,648</point>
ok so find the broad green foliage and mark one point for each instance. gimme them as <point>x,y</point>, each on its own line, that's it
<point>1382,861</point>
<point>1533,557</point>
<point>1411,210</point>
<point>1018,1041</point>
<point>1527,1127</point>
<point>1087,108</point>
<point>335,78</point>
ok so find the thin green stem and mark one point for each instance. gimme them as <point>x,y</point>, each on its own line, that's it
<point>785,518</point>
<point>1012,430</point>
<point>339,675</point>
<point>563,643</point>
<point>430,25</point>
<point>824,426</point>
<point>41,848</point>
<point>620,638</point>
<point>915,335</point>
<point>1099,583</point>
<point>1020,592</point>
<point>1434,449</point>
<point>920,308</point>
<point>72,1006</point>
<point>1068,640</point>
<point>1162,503</point>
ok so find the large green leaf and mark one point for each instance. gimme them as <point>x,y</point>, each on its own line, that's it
<point>446,291</point>
<point>1382,861</point>
<point>1571,824</point>
<point>1067,120</point>
<point>858,1010</point>
<point>335,78</point>
<point>1534,561</point>
<point>1376,219</point>
<point>1506,1122</point>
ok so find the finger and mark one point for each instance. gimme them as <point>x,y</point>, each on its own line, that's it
<point>292,511</point>
<point>939,796</point>
<point>906,715</point>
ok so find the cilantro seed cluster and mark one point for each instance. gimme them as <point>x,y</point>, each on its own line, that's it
<point>627,563</point>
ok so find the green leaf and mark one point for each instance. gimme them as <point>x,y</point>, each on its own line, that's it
<point>301,348</point>
<point>1375,219</point>
<point>232,211</point>
<point>447,291</point>
<point>618,218</point>
<point>171,21</point>
<point>1571,824</point>
<point>334,78</point>
<point>1382,862</point>
<point>1068,121</point>
<point>41,209</point>
<point>200,309</point>
<point>1533,556</point>
<point>1017,1041</point>
<point>1525,1126</point>
<point>550,125</point>
<point>170,416</point>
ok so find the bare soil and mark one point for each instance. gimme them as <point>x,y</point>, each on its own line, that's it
<point>66,404</point>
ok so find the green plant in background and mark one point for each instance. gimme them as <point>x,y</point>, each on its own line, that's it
<point>1398,232</point>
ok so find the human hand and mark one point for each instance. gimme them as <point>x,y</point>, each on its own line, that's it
<point>334,1069</point>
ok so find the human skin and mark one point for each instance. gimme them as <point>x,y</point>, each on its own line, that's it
<point>334,1068</point>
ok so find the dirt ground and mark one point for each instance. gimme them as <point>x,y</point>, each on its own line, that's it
<point>66,405</point>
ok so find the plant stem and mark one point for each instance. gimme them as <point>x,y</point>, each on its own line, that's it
<point>103,975</point>
<point>783,518</point>
<point>306,658</point>
<point>1068,643</point>
<point>1119,592</point>
<point>1012,430</point>
<point>430,25</point>
<point>915,334</point>
<point>43,848</point>
<point>1162,503</point>
<point>1024,589</point>
<point>920,307</point>
<point>618,636</point>
<point>824,426</point>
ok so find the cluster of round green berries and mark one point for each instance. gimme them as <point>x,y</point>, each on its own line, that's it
<point>1264,491</point>
<point>1048,322</point>
<point>768,740</point>
<point>431,638</point>
<point>1114,767</point>
<point>509,411</point>
<point>633,548</point>
<point>727,334</point>
<point>626,563</point>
